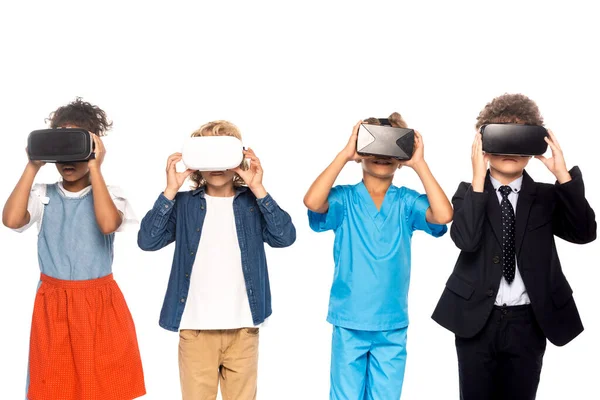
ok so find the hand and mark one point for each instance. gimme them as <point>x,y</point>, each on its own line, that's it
<point>253,175</point>
<point>480,161</point>
<point>99,152</point>
<point>556,164</point>
<point>349,153</point>
<point>34,163</point>
<point>175,179</point>
<point>418,156</point>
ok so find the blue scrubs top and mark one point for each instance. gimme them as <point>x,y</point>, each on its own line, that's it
<point>372,254</point>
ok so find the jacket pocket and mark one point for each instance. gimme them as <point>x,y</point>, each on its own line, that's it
<point>460,287</point>
<point>561,295</point>
<point>539,216</point>
<point>536,223</point>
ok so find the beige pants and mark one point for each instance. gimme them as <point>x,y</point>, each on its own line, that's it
<point>226,356</point>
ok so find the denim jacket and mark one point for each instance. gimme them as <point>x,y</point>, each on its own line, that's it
<point>257,221</point>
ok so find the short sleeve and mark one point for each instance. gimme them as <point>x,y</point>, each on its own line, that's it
<point>334,216</point>
<point>123,205</point>
<point>418,217</point>
<point>35,206</point>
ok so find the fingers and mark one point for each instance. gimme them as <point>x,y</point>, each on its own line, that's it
<point>554,140</point>
<point>356,128</point>
<point>418,141</point>
<point>252,156</point>
<point>186,173</point>
<point>541,158</point>
<point>172,160</point>
<point>174,156</point>
<point>474,145</point>
<point>99,143</point>
<point>476,148</point>
<point>354,135</point>
<point>552,145</point>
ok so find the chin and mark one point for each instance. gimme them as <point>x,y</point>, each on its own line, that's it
<point>381,174</point>
<point>71,178</point>
<point>219,182</point>
<point>509,169</point>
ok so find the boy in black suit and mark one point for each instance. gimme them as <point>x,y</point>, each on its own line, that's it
<point>507,293</point>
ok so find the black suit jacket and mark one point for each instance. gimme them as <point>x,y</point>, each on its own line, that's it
<point>543,211</point>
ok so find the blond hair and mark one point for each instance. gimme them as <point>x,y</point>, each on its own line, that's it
<point>395,119</point>
<point>216,128</point>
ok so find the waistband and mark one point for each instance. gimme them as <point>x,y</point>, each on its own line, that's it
<point>525,309</point>
<point>68,284</point>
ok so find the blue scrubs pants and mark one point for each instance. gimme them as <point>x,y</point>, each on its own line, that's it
<point>367,365</point>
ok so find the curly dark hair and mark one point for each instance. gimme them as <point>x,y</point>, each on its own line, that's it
<point>510,108</point>
<point>81,114</point>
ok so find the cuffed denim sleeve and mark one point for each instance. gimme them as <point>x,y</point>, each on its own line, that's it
<point>278,230</point>
<point>157,228</point>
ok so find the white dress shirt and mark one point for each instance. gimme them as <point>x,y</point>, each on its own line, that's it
<point>514,293</point>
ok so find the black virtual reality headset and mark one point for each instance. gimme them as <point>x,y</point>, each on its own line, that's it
<point>514,139</point>
<point>385,141</point>
<point>60,145</point>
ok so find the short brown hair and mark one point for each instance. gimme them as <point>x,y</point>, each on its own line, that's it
<point>510,108</point>
<point>81,114</point>
<point>395,119</point>
<point>216,128</point>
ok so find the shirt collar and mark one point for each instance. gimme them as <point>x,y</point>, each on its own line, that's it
<point>202,191</point>
<point>514,185</point>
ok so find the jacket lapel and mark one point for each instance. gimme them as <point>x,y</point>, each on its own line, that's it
<point>493,209</point>
<point>526,198</point>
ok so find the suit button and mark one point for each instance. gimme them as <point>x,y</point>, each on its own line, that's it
<point>490,292</point>
<point>496,260</point>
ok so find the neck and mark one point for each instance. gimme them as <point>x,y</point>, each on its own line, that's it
<point>504,178</point>
<point>376,185</point>
<point>78,185</point>
<point>220,191</point>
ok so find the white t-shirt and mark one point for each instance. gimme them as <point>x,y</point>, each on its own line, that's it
<point>37,200</point>
<point>217,298</point>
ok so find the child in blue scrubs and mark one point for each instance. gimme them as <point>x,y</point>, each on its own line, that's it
<point>373,223</point>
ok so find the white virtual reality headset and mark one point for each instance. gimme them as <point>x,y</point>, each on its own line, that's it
<point>213,153</point>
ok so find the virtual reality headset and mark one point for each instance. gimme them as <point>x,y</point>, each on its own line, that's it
<point>385,141</point>
<point>60,145</point>
<point>213,153</point>
<point>514,139</point>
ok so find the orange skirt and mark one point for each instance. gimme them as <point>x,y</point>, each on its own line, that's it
<point>83,344</point>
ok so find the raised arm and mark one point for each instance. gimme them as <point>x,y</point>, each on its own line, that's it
<point>15,214</point>
<point>316,197</point>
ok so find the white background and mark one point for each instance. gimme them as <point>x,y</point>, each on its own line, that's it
<point>295,77</point>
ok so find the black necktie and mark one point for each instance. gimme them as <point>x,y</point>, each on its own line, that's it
<point>508,235</point>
